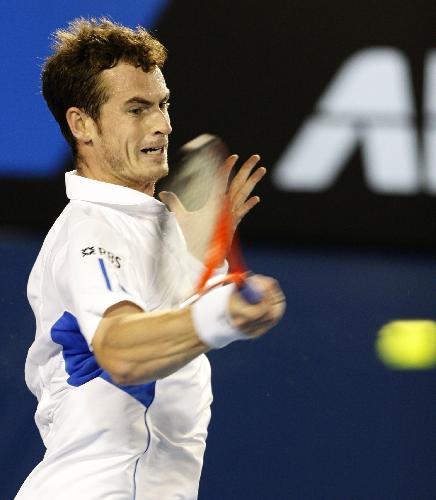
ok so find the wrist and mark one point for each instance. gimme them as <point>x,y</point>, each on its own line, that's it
<point>212,321</point>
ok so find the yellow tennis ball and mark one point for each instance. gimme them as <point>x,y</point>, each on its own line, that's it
<point>407,344</point>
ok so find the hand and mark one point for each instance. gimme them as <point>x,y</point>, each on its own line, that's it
<point>257,319</point>
<point>198,225</point>
<point>242,185</point>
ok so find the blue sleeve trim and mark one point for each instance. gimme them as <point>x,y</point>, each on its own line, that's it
<point>81,365</point>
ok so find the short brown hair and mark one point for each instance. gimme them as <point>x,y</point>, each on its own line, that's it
<point>71,75</point>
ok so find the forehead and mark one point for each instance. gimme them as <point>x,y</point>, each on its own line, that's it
<point>124,81</point>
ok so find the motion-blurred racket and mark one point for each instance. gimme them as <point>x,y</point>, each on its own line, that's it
<point>201,184</point>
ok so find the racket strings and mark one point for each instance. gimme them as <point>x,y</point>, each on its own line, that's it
<point>221,247</point>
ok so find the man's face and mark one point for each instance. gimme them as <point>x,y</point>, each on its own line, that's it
<point>130,146</point>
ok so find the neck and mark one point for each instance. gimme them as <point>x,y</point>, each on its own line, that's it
<point>84,169</point>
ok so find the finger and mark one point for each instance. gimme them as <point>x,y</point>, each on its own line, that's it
<point>244,172</point>
<point>262,324</point>
<point>227,166</point>
<point>269,319</point>
<point>273,305</point>
<point>278,310</point>
<point>172,201</point>
<point>226,169</point>
<point>242,211</point>
<point>254,318</point>
<point>240,193</point>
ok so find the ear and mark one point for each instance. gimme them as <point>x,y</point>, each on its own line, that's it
<point>81,125</point>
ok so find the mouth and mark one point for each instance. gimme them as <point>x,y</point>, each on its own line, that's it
<point>154,151</point>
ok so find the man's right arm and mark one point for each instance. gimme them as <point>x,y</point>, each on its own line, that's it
<point>137,347</point>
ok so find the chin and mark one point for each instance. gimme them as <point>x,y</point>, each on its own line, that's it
<point>161,168</point>
<point>154,173</point>
<point>165,170</point>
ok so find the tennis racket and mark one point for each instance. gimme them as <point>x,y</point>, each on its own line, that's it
<point>201,183</point>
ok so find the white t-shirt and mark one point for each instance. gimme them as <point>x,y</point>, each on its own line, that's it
<point>106,441</point>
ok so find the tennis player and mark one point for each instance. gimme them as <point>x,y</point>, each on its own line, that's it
<point>117,366</point>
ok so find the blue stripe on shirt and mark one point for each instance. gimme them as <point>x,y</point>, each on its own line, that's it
<point>103,270</point>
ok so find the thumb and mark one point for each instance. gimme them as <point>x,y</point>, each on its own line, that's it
<point>171,200</point>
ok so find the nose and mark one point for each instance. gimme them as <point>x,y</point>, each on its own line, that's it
<point>162,123</point>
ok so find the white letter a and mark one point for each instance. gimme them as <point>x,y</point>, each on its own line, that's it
<point>369,103</point>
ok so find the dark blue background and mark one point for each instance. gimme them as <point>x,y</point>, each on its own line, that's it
<point>306,412</point>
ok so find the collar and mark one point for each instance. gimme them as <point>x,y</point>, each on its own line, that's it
<point>85,189</point>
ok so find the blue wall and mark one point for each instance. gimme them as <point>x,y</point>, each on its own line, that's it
<point>26,44</point>
<point>307,412</point>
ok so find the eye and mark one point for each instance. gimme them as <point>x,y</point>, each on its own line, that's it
<point>135,111</point>
<point>165,105</point>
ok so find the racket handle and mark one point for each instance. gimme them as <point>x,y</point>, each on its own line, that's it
<point>249,293</point>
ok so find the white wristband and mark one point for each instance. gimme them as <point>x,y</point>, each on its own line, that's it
<point>211,318</point>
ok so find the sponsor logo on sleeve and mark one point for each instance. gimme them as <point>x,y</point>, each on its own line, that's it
<point>113,259</point>
<point>88,251</point>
